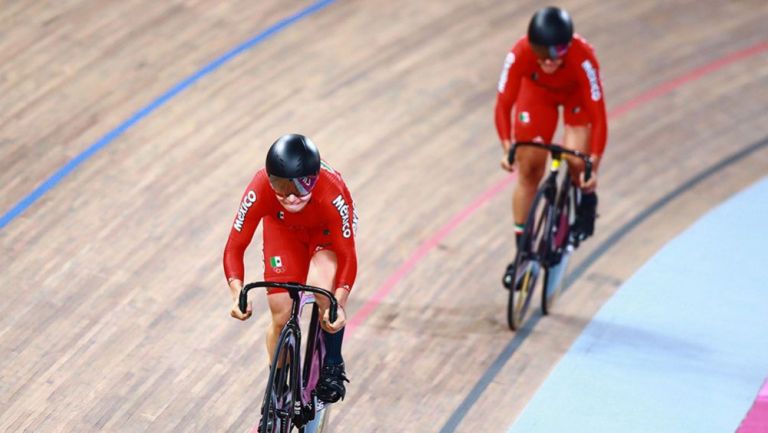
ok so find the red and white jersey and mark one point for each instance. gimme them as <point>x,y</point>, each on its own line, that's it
<point>578,74</point>
<point>330,210</point>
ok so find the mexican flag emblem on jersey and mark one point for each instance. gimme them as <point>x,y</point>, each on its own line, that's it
<point>276,262</point>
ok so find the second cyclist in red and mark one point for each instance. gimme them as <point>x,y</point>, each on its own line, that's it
<point>309,236</point>
<point>551,67</point>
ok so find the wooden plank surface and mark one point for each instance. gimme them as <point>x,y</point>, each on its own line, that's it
<point>115,312</point>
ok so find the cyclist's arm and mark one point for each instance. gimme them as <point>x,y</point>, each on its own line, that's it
<point>508,88</point>
<point>247,218</point>
<point>594,97</point>
<point>343,225</point>
<point>235,286</point>
<point>347,269</point>
<point>341,296</point>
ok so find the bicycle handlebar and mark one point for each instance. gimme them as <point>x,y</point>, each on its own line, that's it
<point>554,149</point>
<point>294,289</point>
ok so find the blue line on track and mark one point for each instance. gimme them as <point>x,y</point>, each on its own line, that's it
<point>69,167</point>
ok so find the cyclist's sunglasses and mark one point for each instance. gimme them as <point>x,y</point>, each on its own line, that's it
<point>553,52</point>
<point>300,186</point>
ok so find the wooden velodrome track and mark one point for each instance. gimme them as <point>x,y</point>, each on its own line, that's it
<point>115,310</point>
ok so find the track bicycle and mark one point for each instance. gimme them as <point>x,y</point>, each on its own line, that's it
<point>290,400</point>
<point>549,238</point>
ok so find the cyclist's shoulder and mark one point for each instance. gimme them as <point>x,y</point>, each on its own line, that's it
<point>331,180</point>
<point>520,43</point>
<point>522,51</point>
<point>582,49</point>
<point>259,183</point>
<point>259,178</point>
<point>258,197</point>
<point>326,169</point>
<point>331,195</point>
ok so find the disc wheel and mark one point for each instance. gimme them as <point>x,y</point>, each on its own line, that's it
<point>277,408</point>
<point>559,247</point>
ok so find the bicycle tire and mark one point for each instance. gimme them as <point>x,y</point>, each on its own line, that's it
<point>527,261</point>
<point>559,245</point>
<point>279,397</point>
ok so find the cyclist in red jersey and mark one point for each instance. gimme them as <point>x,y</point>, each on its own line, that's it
<point>309,237</point>
<point>548,68</point>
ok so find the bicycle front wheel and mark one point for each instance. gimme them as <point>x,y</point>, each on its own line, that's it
<point>277,408</point>
<point>528,260</point>
<point>559,245</point>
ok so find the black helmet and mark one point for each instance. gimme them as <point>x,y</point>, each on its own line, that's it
<point>293,164</point>
<point>550,32</point>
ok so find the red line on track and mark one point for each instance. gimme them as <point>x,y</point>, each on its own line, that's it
<point>693,75</point>
<point>421,252</point>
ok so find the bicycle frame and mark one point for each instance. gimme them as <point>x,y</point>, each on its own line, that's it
<point>550,183</point>
<point>304,379</point>
<point>545,238</point>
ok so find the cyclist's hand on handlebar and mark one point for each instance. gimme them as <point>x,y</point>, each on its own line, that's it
<point>591,184</point>
<point>341,320</point>
<point>237,314</point>
<point>235,286</point>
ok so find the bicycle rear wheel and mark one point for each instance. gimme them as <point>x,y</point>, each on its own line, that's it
<point>560,245</point>
<point>277,408</point>
<point>528,260</point>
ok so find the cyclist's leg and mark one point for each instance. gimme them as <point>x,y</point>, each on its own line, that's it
<point>578,132</point>
<point>576,137</point>
<point>536,118</point>
<point>280,307</point>
<point>285,259</point>
<point>322,273</point>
